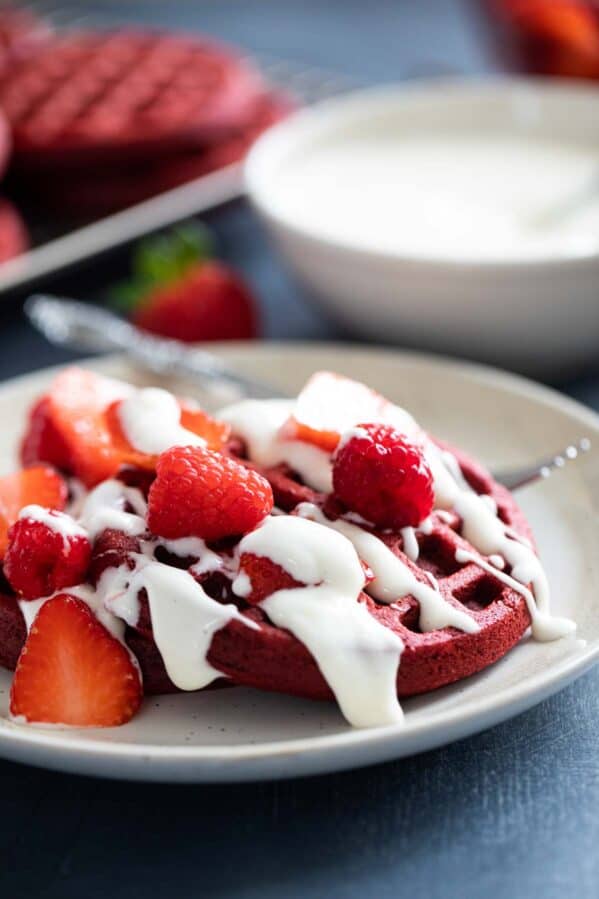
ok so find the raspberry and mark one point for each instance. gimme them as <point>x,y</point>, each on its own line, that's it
<point>381,475</point>
<point>41,560</point>
<point>199,493</point>
<point>40,485</point>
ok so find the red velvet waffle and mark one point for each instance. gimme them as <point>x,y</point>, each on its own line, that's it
<point>273,659</point>
<point>89,98</point>
<point>118,187</point>
<point>21,32</point>
<point>5,143</point>
<point>13,233</point>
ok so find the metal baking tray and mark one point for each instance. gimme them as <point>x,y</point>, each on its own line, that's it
<point>57,246</point>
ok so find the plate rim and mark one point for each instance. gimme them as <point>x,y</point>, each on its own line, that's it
<point>65,750</point>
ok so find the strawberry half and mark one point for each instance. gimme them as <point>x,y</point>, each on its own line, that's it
<point>72,671</point>
<point>177,291</point>
<point>215,433</point>
<point>42,441</point>
<point>77,403</point>
<point>330,404</point>
<point>40,485</point>
<point>76,427</point>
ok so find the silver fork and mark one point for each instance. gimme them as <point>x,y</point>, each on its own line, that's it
<point>89,328</point>
<point>520,477</point>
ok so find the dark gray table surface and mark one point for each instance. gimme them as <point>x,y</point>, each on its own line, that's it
<point>512,812</point>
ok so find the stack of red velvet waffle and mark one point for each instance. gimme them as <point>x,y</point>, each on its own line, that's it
<point>96,121</point>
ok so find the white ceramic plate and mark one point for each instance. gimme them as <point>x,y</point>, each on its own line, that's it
<point>241,734</point>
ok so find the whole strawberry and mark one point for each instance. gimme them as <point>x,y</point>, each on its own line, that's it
<point>177,291</point>
<point>384,477</point>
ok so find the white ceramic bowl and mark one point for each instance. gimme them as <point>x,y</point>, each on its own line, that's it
<point>538,315</point>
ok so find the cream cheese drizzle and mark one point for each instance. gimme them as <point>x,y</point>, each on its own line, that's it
<point>544,627</point>
<point>357,656</point>
<point>392,578</point>
<point>104,508</point>
<point>151,422</point>
<point>410,543</point>
<point>196,548</point>
<point>259,423</point>
<point>57,521</point>
<point>184,620</point>
<point>484,530</point>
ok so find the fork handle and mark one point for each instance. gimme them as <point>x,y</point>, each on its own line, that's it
<point>520,477</point>
<point>83,326</point>
<point>171,357</point>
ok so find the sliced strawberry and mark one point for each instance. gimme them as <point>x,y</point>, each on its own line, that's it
<point>126,454</point>
<point>42,441</point>
<point>40,485</point>
<point>264,577</point>
<point>330,404</point>
<point>214,432</point>
<point>76,426</point>
<point>78,401</point>
<point>73,671</point>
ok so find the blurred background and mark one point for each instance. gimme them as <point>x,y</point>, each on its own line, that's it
<point>56,68</point>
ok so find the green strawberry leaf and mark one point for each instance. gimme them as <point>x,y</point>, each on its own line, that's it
<point>125,297</point>
<point>161,260</point>
<point>168,256</point>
